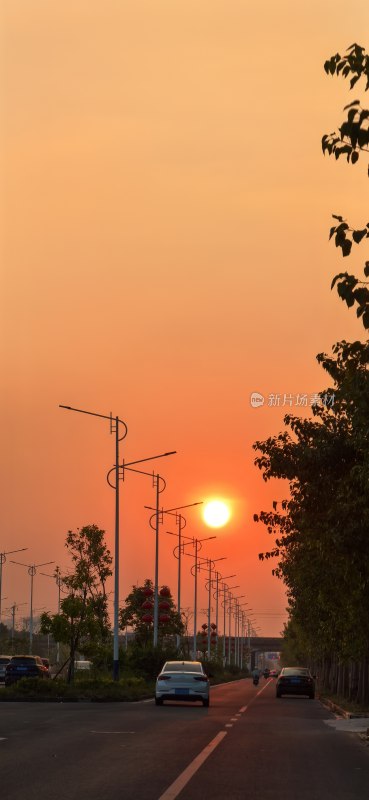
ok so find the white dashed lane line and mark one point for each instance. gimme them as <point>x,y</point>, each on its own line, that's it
<point>173,791</point>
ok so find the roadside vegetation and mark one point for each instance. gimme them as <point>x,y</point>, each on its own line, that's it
<point>83,631</point>
<point>321,545</point>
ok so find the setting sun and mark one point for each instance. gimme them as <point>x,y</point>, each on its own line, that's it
<point>216,513</point>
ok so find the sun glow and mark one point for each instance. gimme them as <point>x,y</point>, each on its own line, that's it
<point>216,513</point>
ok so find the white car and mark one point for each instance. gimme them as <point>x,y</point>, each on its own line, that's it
<point>82,665</point>
<point>182,680</point>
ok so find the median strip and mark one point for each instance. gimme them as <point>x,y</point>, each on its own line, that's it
<point>176,787</point>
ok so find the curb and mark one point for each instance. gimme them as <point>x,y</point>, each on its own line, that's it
<point>341,711</point>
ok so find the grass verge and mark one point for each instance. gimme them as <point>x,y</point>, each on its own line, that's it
<point>345,705</point>
<point>95,690</point>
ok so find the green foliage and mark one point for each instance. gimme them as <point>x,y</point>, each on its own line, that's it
<point>351,139</point>
<point>147,661</point>
<point>353,135</point>
<point>322,546</point>
<point>93,689</point>
<point>83,622</point>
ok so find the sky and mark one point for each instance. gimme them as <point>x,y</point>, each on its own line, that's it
<point>165,208</point>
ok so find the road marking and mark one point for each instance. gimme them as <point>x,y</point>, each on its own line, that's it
<point>228,725</point>
<point>112,731</point>
<point>261,690</point>
<point>234,719</point>
<point>176,787</point>
<point>2,738</point>
<point>244,708</point>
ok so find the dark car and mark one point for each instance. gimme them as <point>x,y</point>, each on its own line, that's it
<point>4,660</point>
<point>25,667</point>
<point>296,681</point>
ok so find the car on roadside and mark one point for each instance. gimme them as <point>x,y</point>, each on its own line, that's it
<point>81,666</point>
<point>24,667</point>
<point>182,680</point>
<point>273,673</point>
<point>4,660</point>
<point>295,681</point>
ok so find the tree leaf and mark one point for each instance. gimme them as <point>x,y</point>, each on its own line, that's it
<point>359,235</point>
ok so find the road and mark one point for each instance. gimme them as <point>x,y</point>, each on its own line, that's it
<point>246,746</point>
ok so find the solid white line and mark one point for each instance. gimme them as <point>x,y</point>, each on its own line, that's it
<point>176,787</point>
<point>244,708</point>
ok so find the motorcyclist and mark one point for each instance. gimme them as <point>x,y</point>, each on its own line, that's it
<point>255,675</point>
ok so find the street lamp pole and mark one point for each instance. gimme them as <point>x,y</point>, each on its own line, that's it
<point>181,522</point>
<point>2,561</point>
<point>115,422</point>
<point>195,567</point>
<point>12,609</point>
<point>32,569</point>
<point>59,581</point>
<point>211,562</point>
<point>156,480</point>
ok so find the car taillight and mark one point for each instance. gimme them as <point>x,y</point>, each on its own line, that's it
<point>164,677</point>
<point>201,678</point>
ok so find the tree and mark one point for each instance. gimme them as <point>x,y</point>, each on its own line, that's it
<point>141,619</point>
<point>83,622</point>
<point>321,544</point>
<point>351,140</point>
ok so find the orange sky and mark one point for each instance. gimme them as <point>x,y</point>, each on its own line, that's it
<point>165,211</point>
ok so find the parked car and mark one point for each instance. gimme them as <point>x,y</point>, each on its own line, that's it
<point>4,660</point>
<point>273,673</point>
<point>182,680</point>
<point>24,667</point>
<point>296,680</point>
<point>82,665</point>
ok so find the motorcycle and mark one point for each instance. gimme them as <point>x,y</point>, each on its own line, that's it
<point>255,680</point>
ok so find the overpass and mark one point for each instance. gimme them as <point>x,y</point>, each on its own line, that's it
<point>266,644</point>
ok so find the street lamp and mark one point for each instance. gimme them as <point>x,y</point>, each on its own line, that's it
<point>194,570</point>
<point>59,581</point>
<point>115,423</point>
<point>2,561</point>
<point>156,483</point>
<point>209,582</point>
<point>226,593</point>
<point>219,577</point>
<point>181,522</point>
<point>32,569</point>
<point>235,625</point>
<point>13,609</point>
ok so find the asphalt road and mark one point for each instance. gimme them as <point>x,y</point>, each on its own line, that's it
<point>246,746</point>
